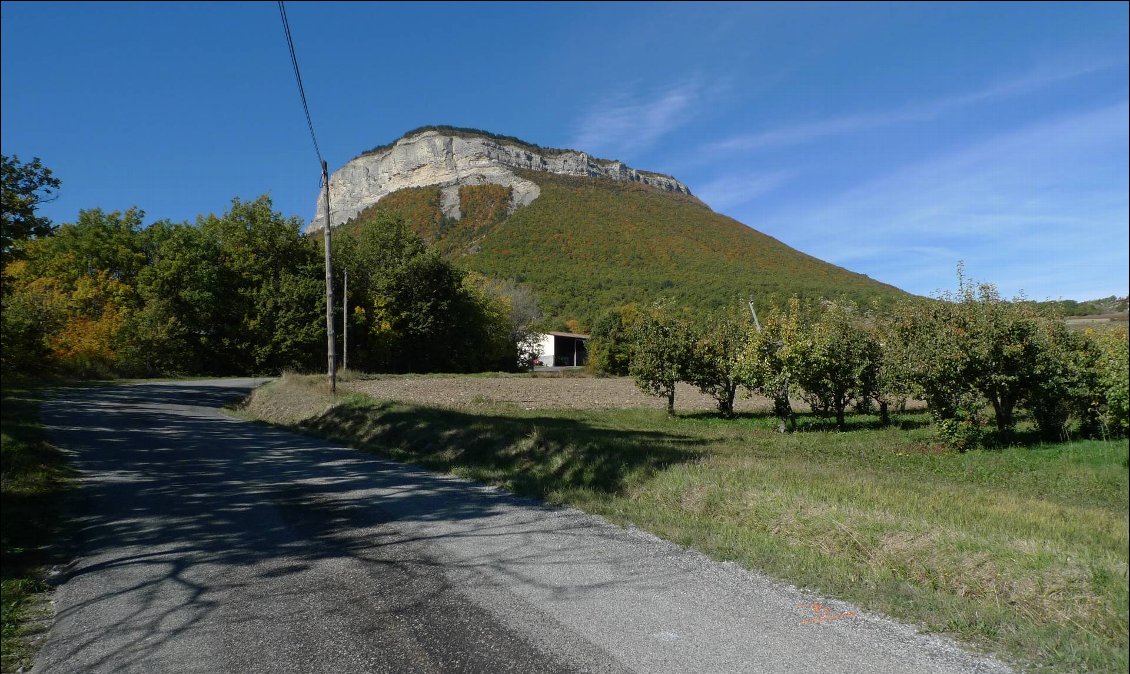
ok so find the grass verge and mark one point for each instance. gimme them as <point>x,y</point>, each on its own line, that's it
<point>1021,551</point>
<point>34,479</point>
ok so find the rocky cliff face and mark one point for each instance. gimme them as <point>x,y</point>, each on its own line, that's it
<point>452,159</point>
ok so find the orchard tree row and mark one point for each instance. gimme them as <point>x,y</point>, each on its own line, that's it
<point>978,361</point>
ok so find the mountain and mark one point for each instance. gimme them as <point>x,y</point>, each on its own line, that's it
<point>585,234</point>
<point>451,157</point>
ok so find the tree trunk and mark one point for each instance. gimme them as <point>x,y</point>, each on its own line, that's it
<point>726,407</point>
<point>1005,422</point>
<point>1002,407</point>
<point>671,401</point>
<point>784,411</point>
<point>884,414</point>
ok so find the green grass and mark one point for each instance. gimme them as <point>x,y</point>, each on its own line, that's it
<point>34,482</point>
<point>1022,551</point>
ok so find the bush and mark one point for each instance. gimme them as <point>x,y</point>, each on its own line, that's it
<point>964,428</point>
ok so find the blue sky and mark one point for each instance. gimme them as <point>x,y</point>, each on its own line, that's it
<point>894,140</point>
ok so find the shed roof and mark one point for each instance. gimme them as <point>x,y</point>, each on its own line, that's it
<point>567,334</point>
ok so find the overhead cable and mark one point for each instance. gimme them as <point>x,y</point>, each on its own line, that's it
<point>298,78</point>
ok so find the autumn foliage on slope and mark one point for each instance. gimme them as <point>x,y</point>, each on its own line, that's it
<point>588,244</point>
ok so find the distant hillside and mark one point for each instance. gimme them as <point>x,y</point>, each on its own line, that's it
<point>1105,306</point>
<point>587,244</point>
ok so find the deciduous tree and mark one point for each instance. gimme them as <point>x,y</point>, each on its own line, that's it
<point>612,345</point>
<point>25,187</point>
<point>837,360</point>
<point>768,363</point>
<point>664,343</point>
<point>714,363</point>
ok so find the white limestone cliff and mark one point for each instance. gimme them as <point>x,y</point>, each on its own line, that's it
<point>452,159</point>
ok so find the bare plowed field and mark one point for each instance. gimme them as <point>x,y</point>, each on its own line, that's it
<point>537,393</point>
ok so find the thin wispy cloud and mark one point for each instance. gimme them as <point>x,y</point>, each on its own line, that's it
<point>625,123</point>
<point>735,190</point>
<point>915,112</point>
<point>1052,191</point>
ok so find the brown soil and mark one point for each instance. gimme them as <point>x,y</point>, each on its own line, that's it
<point>538,393</point>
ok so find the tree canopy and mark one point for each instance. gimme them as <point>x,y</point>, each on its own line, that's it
<point>25,187</point>
<point>243,293</point>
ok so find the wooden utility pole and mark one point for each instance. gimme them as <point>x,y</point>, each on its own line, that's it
<point>753,311</point>
<point>331,338</point>
<point>345,323</point>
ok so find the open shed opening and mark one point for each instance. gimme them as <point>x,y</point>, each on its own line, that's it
<point>563,349</point>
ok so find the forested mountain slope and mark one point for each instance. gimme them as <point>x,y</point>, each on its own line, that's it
<point>587,244</point>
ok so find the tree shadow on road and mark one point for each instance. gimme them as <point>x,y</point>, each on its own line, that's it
<point>187,517</point>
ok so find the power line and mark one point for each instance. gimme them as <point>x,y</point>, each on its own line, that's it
<point>331,356</point>
<point>298,78</point>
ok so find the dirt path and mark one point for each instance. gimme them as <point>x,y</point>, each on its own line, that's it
<point>538,393</point>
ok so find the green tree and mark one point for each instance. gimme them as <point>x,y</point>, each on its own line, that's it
<point>510,315</point>
<point>714,363</point>
<point>413,311</point>
<point>97,241</point>
<point>421,302</point>
<point>664,343</point>
<point>24,323</point>
<point>612,345</point>
<point>488,326</point>
<point>1003,347</point>
<point>1113,375</point>
<point>272,312</point>
<point>768,363</point>
<point>82,281</point>
<point>177,328</point>
<point>837,361</point>
<point>1064,382</point>
<point>893,386</point>
<point>371,250</point>
<point>933,332</point>
<point>973,348</point>
<point>25,187</point>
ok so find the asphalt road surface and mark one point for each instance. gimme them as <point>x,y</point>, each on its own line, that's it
<point>213,544</point>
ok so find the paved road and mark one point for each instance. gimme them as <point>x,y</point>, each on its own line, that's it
<point>212,544</point>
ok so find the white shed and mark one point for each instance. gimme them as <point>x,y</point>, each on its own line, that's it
<point>563,349</point>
